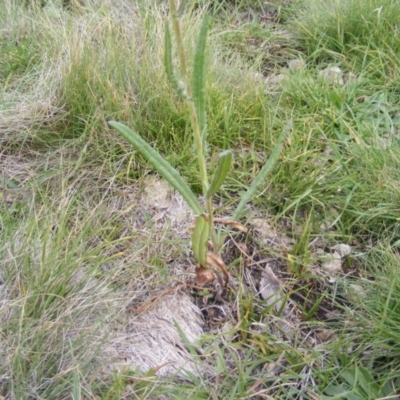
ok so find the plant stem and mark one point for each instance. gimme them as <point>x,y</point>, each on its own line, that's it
<point>192,111</point>
<point>210,214</point>
<point>197,134</point>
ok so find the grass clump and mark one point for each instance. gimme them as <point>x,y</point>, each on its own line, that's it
<point>346,27</point>
<point>344,156</point>
<point>361,34</point>
<point>47,311</point>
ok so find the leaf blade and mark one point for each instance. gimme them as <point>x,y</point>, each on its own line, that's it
<point>224,164</point>
<point>168,64</point>
<point>200,235</point>
<point>265,170</point>
<point>199,80</point>
<point>160,164</point>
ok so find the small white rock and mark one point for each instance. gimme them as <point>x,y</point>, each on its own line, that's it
<point>296,64</point>
<point>332,75</point>
<point>333,264</point>
<point>343,249</point>
<point>350,78</point>
<point>358,290</point>
<point>275,80</point>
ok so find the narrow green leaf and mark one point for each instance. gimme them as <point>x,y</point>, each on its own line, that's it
<point>163,167</point>
<point>6,182</point>
<point>186,341</point>
<point>224,163</point>
<point>200,235</point>
<point>168,64</point>
<point>339,392</point>
<point>350,376</point>
<point>199,80</point>
<point>367,382</point>
<point>251,191</point>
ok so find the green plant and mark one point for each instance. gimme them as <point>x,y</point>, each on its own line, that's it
<point>358,29</point>
<point>17,56</point>
<point>357,383</point>
<point>192,88</point>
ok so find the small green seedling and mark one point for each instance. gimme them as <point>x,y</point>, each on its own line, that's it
<point>192,89</point>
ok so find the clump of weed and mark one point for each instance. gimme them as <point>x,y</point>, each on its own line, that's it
<point>191,87</point>
<point>348,29</point>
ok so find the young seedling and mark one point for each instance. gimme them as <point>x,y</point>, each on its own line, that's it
<point>192,89</point>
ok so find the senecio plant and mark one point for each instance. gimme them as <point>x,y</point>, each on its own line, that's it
<point>206,241</point>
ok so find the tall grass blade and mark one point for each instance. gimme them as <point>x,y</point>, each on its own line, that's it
<point>266,169</point>
<point>186,341</point>
<point>76,392</point>
<point>199,81</point>
<point>76,387</point>
<point>224,163</point>
<point>160,164</point>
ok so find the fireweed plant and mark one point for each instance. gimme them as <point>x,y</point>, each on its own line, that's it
<point>206,241</point>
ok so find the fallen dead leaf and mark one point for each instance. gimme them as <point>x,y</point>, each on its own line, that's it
<point>271,290</point>
<point>203,275</point>
<point>216,261</point>
<point>231,223</point>
<point>334,314</point>
<point>324,334</point>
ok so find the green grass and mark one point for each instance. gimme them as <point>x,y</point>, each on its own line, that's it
<point>79,241</point>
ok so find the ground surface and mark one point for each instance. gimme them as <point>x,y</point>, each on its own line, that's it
<point>98,293</point>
